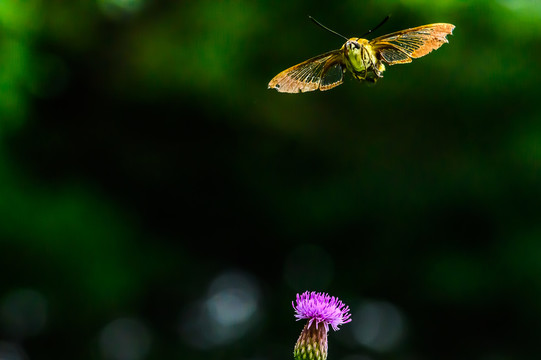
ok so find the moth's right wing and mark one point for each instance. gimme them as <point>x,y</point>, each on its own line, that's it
<point>322,72</point>
<point>401,46</point>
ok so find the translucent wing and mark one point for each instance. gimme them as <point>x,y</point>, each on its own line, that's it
<point>401,46</point>
<point>322,72</point>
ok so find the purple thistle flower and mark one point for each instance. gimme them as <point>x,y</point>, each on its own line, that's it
<point>317,308</point>
<point>321,307</point>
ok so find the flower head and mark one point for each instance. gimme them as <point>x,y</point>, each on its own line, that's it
<point>317,308</point>
<point>321,308</point>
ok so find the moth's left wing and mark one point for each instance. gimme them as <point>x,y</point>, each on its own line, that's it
<point>322,72</point>
<point>401,46</point>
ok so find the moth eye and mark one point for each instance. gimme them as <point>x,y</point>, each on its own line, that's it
<point>357,45</point>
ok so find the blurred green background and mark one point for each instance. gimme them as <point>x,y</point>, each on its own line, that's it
<point>159,202</point>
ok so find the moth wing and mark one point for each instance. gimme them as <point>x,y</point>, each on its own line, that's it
<point>322,72</point>
<point>401,46</point>
<point>332,77</point>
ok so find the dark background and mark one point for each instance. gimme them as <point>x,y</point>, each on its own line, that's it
<point>158,202</point>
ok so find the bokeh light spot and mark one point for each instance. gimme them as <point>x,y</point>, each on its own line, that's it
<point>378,325</point>
<point>532,7</point>
<point>125,339</point>
<point>9,351</point>
<point>225,315</point>
<point>118,9</point>
<point>23,313</point>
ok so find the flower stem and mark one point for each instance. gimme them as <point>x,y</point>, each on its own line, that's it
<point>312,343</point>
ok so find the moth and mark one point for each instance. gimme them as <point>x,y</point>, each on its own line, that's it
<point>364,59</point>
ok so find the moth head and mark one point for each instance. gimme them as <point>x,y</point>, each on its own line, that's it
<point>352,44</point>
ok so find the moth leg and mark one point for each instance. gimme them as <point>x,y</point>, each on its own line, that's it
<point>360,75</point>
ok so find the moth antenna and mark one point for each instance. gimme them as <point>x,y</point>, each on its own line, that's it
<point>377,26</point>
<point>326,28</point>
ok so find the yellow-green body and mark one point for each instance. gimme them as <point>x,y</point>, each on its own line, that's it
<point>361,59</point>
